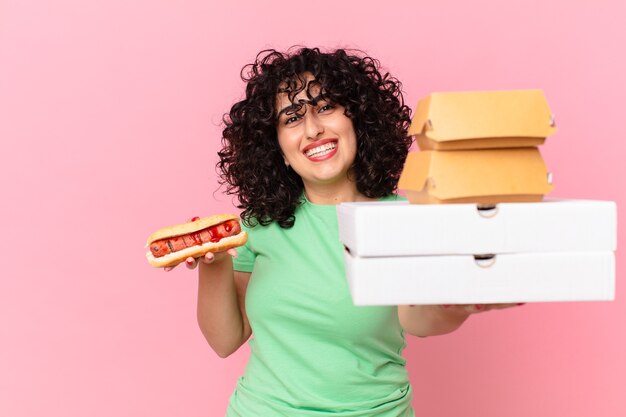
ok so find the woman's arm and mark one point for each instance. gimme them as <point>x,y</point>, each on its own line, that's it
<point>221,305</point>
<point>221,302</point>
<point>433,320</point>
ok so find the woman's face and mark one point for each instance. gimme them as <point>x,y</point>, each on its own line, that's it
<point>318,141</point>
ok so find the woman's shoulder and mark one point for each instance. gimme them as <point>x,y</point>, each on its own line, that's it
<point>393,197</point>
<point>254,227</point>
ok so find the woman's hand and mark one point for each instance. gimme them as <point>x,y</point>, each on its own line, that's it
<point>475,308</point>
<point>207,259</point>
<point>431,320</point>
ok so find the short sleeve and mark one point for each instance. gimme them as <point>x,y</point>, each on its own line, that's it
<point>244,262</point>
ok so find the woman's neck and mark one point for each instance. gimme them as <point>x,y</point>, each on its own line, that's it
<point>328,194</point>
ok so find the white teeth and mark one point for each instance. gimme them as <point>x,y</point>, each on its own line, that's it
<point>321,150</point>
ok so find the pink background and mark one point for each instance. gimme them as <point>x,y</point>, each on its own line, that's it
<point>109,121</point>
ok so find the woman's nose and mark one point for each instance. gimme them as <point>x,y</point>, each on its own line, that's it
<point>312,124</point>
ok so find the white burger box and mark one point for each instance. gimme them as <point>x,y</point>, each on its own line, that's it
<point>555,250</point>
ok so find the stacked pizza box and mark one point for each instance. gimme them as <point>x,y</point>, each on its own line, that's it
<point>476,228</point>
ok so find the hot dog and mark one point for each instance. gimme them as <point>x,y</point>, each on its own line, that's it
<point>171,245</point>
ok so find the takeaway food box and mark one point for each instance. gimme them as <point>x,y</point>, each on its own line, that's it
<point>479,176</point>
<point>477,230</point>
<point>555,250</point>
<point>479,147</point>
<point>482,120</point>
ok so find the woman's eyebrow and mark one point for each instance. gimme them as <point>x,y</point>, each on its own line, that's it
<point>299,104</point>
<point>293,108</point>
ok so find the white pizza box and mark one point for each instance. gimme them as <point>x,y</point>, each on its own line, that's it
<point>399,228</point>
<point>463,279</point>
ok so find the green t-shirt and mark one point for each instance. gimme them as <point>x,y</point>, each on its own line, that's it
<point>313,353</point>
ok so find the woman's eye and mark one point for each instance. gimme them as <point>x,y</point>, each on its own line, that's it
<point>292,119</point>
<point>326,107</point>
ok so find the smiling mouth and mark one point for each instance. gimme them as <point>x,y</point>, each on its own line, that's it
<point>321,150</point>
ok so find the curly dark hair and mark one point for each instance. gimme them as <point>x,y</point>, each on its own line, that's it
<point>251,162</point>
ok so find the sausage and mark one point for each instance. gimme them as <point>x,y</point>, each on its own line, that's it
<point>210,234</point>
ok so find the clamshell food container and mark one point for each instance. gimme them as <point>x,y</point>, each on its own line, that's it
<point>487,176</point>
<point>482,120</point>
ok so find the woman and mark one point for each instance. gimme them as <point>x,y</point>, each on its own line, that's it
<point>315,129</point>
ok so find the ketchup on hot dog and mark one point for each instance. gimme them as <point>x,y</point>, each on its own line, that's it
<point>210,234</point>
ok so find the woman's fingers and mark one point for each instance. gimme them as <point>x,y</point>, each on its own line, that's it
<point>508,305</point>
<point>209,257</point>
<point>191,263</point>
<point>479,308</point>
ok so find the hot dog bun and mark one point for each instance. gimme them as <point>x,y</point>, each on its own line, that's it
<point>174,258</point>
